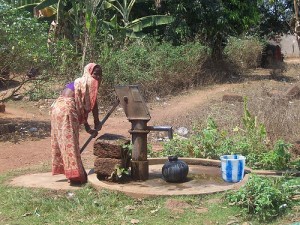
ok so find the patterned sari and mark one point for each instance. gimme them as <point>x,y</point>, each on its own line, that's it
<point>67,114</point>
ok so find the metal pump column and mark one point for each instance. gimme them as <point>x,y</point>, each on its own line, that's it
<point>137,113</point>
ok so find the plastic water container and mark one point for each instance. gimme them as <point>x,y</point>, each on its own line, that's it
<point>233,167</point>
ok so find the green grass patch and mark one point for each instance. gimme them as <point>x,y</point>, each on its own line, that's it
<point>90,206</point>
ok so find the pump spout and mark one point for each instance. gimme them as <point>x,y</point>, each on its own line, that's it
<point>169,129</point>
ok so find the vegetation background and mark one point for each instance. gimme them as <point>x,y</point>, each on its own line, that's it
<point>167,47</point>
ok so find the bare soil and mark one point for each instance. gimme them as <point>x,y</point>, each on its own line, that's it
<point>30,144</point>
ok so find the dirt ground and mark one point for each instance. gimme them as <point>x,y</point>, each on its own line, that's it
<point>32,147</point>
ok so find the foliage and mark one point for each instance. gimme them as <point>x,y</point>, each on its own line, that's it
<point>265,198</point>
<point>181,147</point>
<point>275,18</point>
<point>132,27</point>
<point>250,141</point>
<point>278,158</point>
<point>28,206</point>
<point>211,21</point>
<point>245,51</point>
<point>23,40</point>
<point>141,63</point>
<point>42,90</point>
<point>208,143</point>
<point>118,174</point>
<point>65,61</point>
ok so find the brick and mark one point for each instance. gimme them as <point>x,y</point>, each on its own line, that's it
<point>232,98</point>
<point>275,93</point>
<point>293,92</point>
<point>105,166</point>
<point>111,146</point>
<point>2,108</point>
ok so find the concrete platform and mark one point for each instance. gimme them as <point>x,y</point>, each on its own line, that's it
<point>43,180</point>
<point>204,178</point>
<point>201,180</point>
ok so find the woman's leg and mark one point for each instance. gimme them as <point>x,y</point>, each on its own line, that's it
<point>65,141</point>
<point>57,162</point>
<point>69,141</point>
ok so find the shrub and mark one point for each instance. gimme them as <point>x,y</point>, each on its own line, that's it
<point>278,158</point>
<point>250,141</point>
<point>160,68</point>
<point>245,51</point>
<point>266,198</point>
<point>23,41</point>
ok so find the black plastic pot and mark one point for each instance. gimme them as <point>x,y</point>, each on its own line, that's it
<point>175,170</point>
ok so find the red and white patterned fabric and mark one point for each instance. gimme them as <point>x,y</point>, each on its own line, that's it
<point>67,113</point>
<point>86,89</point>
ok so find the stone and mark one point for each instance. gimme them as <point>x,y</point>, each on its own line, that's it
<point>293,92</point>
<point>2,108</point>
<point>111,146</point>
<point>274,93</point>
<point>105,166</point>
<point>232,98</point>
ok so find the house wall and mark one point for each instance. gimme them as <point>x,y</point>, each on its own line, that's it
<point>289,46</point>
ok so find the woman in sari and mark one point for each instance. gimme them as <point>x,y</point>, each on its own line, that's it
<point>69,111</point>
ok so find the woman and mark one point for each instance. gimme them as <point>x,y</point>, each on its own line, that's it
<point>69,111</point>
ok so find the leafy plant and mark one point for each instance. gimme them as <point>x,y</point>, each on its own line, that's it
<point>178,146</point>
<point>245,51</point>
<point>118,174</point>
<point>265,198</point>
<point>132,28</point>
<point>251,140</point>
<point>278,158</point>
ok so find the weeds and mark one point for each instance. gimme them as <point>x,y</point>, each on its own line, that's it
<point>267,198</point>
<point>250,140</point>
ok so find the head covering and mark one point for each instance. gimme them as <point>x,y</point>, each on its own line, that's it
<point>86,89</point>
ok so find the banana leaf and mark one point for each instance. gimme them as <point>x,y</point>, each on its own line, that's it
<point>46,3</point>
<point>149,21</point>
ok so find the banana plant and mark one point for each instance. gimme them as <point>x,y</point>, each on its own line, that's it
<point>42,8</point>
<point>133,28</point>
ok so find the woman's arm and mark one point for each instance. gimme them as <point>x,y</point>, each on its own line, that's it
<point>97,123</point>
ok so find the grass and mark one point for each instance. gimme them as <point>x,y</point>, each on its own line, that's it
<point>89,206</point>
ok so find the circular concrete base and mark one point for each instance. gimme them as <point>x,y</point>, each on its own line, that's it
<point>201,180</point>
<point>204,178</point>
<point>43,180</point>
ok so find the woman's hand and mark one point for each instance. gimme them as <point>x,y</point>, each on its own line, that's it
<point>98,125</point>
<point>93,132</point>
<point>88,129</point>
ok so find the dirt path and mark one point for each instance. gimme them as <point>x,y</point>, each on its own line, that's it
<point>28,153</point>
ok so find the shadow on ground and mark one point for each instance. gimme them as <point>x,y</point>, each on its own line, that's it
<point>16,130</point>
<point>9,84</point>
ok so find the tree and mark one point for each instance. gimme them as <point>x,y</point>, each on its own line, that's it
<point>23,44</point>
<point>211,21</point>
<point>275,17</point>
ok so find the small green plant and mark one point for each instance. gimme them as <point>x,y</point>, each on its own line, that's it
<point>251,141</point>
<point>278,158</point>
<point>118,174</point>
<point>245,51</point>
<point>265,198</point>
<point>255,133</point>
<point>42,90</point>
<point>210,140</point>
<point>181,147</point>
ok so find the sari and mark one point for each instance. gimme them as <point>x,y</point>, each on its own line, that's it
<point>67,114</point>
